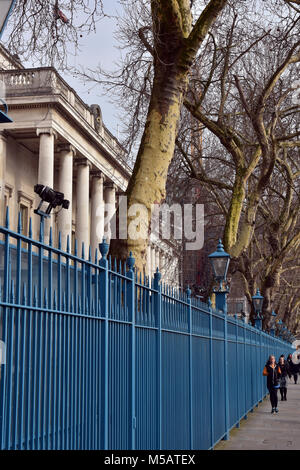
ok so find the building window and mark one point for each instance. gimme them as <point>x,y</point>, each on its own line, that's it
<point>24,218</point>
<point>25,204</point>
<point>7,194</point>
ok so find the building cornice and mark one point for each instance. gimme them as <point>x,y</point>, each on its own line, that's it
<point>60,104</point>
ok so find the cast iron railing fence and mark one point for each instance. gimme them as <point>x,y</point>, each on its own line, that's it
<point>97,358</point>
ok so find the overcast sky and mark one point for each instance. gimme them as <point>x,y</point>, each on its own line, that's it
<point>98,48</point>
<point>95,48</point>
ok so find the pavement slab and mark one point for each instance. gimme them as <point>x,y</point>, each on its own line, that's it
<point>265,431</point>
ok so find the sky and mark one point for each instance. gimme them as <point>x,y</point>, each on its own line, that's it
<point>98,48</point>
<point>95,48</point>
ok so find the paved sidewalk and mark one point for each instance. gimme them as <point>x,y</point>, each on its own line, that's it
<point>265,431</point>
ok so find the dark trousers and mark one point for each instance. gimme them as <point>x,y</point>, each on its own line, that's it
<point>283,391</point>
<point>273,397</point>
<point>295,377</point>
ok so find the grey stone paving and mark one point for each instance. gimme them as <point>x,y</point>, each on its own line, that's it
<point>265,431</point>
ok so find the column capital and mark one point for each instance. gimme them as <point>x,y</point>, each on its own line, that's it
<point>83,162</point>
<point>110,185</point>
<point>120,192</point>
<point>46,130</point>
<point>66,147</point>
<point>97,174</point>
<point>3,135</point>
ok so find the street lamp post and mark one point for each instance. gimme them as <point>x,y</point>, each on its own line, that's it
<point>257,301</point>
<point>285,333</point>
<point>220,262</point>
<point>280,328</point>
<point>273,324</point>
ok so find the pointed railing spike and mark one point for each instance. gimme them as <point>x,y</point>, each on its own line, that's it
<point>41,239</point>
<point>7,217</point>
<point>59,240</point>
<point>19,223</point>
<point>75,247</point>
<point>30,228</point>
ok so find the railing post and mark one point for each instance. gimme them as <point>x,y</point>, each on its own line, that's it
<point>226,437</point>
<point>157,310</point>
<point>260,376</point>
<point>244,374</point>
<point>4,368</point>
<point>237,382</point>
<point>211,372</point>
<point>189,302</point>
<point>104,285</point>
<point>131,311</point>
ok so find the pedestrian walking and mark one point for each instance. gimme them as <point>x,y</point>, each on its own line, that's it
<point>284,369</point>
<point>272,372</point>
<point>293,368</point>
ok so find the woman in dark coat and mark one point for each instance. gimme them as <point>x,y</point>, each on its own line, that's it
<point>284,368</point>
<point>272,372</point>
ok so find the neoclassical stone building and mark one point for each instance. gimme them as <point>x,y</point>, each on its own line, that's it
<point>59,141</point>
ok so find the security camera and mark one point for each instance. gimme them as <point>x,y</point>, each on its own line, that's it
<point>54,198</point>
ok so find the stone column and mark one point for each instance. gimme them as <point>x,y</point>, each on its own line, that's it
<point>65,186</point>
<point>110,209</point>
<point>46,168</point>
<point>97,211</point>
<point>82,206</point>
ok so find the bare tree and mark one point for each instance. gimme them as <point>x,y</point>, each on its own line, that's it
<point>245,99</point>
<point>173,39</point>
<point>46,32</point>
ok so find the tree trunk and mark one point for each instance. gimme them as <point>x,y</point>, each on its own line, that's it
<point>147,184</point>
<point>175,47</point>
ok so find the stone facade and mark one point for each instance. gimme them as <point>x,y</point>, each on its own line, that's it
<point>59,141</point>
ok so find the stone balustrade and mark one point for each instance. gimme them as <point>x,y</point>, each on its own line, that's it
<point>46,81</point>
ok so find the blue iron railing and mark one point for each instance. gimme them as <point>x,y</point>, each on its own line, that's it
<point>96,358</point>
